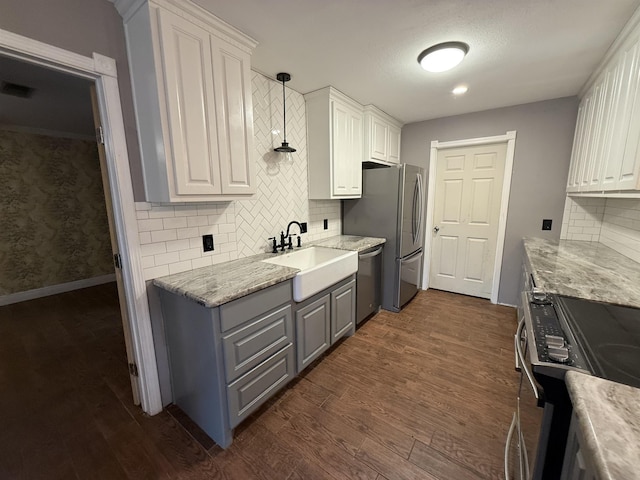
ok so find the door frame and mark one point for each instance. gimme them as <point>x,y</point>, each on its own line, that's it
<point>510,139</point>
<point>102,70</point>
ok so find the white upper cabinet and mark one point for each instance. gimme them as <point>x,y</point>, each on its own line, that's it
<point>191,79</point>
<point>381,136</point>
<point>334,138</point>
<point>606,149</point>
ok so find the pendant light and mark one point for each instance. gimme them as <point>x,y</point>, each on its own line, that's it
<point>284,148</point>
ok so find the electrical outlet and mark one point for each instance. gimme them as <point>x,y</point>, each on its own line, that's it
<point>303,227</point>
<point>207,243</point>
<point>546,224</point>
<point>326,224</point>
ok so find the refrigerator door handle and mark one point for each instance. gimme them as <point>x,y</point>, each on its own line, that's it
<point>414,217</point>
<point>419,220</point>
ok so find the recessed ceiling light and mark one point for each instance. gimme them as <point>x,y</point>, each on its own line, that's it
<point>459,90</point>
<point>443,56</point>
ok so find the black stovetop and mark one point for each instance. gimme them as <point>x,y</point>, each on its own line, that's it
<point>609,336</point>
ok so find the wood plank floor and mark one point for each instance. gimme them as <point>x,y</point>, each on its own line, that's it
<point>424,394</point>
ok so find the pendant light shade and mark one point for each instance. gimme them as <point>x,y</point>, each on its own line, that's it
<point>443,57</point>
<point>284,148</point>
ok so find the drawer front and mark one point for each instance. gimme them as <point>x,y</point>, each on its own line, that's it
<point>250,391</point>
<point>256,340</point>
<point>237,312</point>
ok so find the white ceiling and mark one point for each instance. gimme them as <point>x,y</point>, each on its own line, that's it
<point>521,51</point>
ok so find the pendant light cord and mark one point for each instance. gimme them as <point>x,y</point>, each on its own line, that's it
<point>284,113</point>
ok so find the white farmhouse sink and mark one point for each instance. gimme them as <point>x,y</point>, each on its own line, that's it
<point>320,267</point>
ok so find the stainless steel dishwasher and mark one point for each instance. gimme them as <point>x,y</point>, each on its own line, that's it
<point>368,283</point>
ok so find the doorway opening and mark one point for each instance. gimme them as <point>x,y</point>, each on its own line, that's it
<point>101,71</point>
<point>468,197</point>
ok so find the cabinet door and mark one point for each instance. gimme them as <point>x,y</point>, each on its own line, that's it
<point>394,144</point>
<point>578,141</point>
<point>232,81</point>
<point>343,310</point>
<point>379,134</point>
<point>628,64</point>
<point>188,77</point>
<point>346,150</point>
<point>596,141</point>
<point>629,165</point>
<point>312,331</point>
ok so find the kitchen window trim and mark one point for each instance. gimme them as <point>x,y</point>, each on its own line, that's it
<point>102,70</point>
<point>510,139</point>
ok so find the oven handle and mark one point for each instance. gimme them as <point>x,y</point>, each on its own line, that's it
<point>507,445</point>
<point>523,364</point>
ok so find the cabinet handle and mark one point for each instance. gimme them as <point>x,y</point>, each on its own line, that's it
<point>370,254</point>
<point>507,445</point>
<point>523,364</point>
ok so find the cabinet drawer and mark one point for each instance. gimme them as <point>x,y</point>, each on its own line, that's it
<point>250,391</point>
<point>256,341</point>
<point>235,313</point>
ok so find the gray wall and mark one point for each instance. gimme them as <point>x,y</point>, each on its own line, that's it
<point>541,164</point>
<point>83,27</point>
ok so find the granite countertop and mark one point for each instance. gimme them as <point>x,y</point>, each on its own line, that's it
<point>587,270</point>
<point>218,284</point>
<point>609,418</point>
<point>350,242</point>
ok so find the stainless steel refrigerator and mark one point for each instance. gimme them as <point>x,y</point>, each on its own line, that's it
<point>392,206</point>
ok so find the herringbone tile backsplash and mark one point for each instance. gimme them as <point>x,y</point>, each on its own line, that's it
<point>171,235</point>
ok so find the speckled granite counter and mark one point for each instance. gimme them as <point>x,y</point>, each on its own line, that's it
<point>585,270</point>
<point>221,283</point>
<point>609,419</point>
<point>212,286</point>
<point>350,242</point>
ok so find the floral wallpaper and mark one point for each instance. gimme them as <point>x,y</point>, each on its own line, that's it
<point>54,224</point>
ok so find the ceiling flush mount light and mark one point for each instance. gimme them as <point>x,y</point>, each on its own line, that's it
<point>443,56</point>
<point>460,90</point>
<point>284,148</point>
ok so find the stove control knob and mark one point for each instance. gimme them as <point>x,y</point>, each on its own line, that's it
<point>540,297</point>
<point>554,341</point>
<point>559,354</point>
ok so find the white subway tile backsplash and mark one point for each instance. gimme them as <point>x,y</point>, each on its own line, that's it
<point>177,245</point>
<point>145,237</point>
<point>180,267</point>
<point>190,254</point>
<point>167,258</point>
<point>614,222</point>
<point>202,262</point>
<point>197,221</point>
<point>151,249</point>
<point>174,222</point>
<point>155,272</point>
<point>187,232</point>
<point>150,225</point>
<point>164,235</point>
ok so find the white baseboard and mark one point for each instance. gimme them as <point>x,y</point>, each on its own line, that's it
<point>55,289</point>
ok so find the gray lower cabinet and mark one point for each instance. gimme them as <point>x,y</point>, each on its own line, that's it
<point>576,464</point>
<point>313,334</point>
<point>323,319</point>
<point>225,362</point>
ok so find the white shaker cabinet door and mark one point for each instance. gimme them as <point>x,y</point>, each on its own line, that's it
<point>190,100</point>
<point>347,150</point>
<point>379,139</point>
<point>394,144</point>
<point>232,81</point>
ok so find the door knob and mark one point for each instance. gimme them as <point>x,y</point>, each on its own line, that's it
<point>436,229</point>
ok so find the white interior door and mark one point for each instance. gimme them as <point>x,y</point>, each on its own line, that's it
<point>126,325</point>
<point>468,191</point>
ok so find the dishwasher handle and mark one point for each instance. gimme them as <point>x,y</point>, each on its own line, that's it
<point>376,252</point>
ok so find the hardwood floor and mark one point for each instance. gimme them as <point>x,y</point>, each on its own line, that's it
<point>424,394</point>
